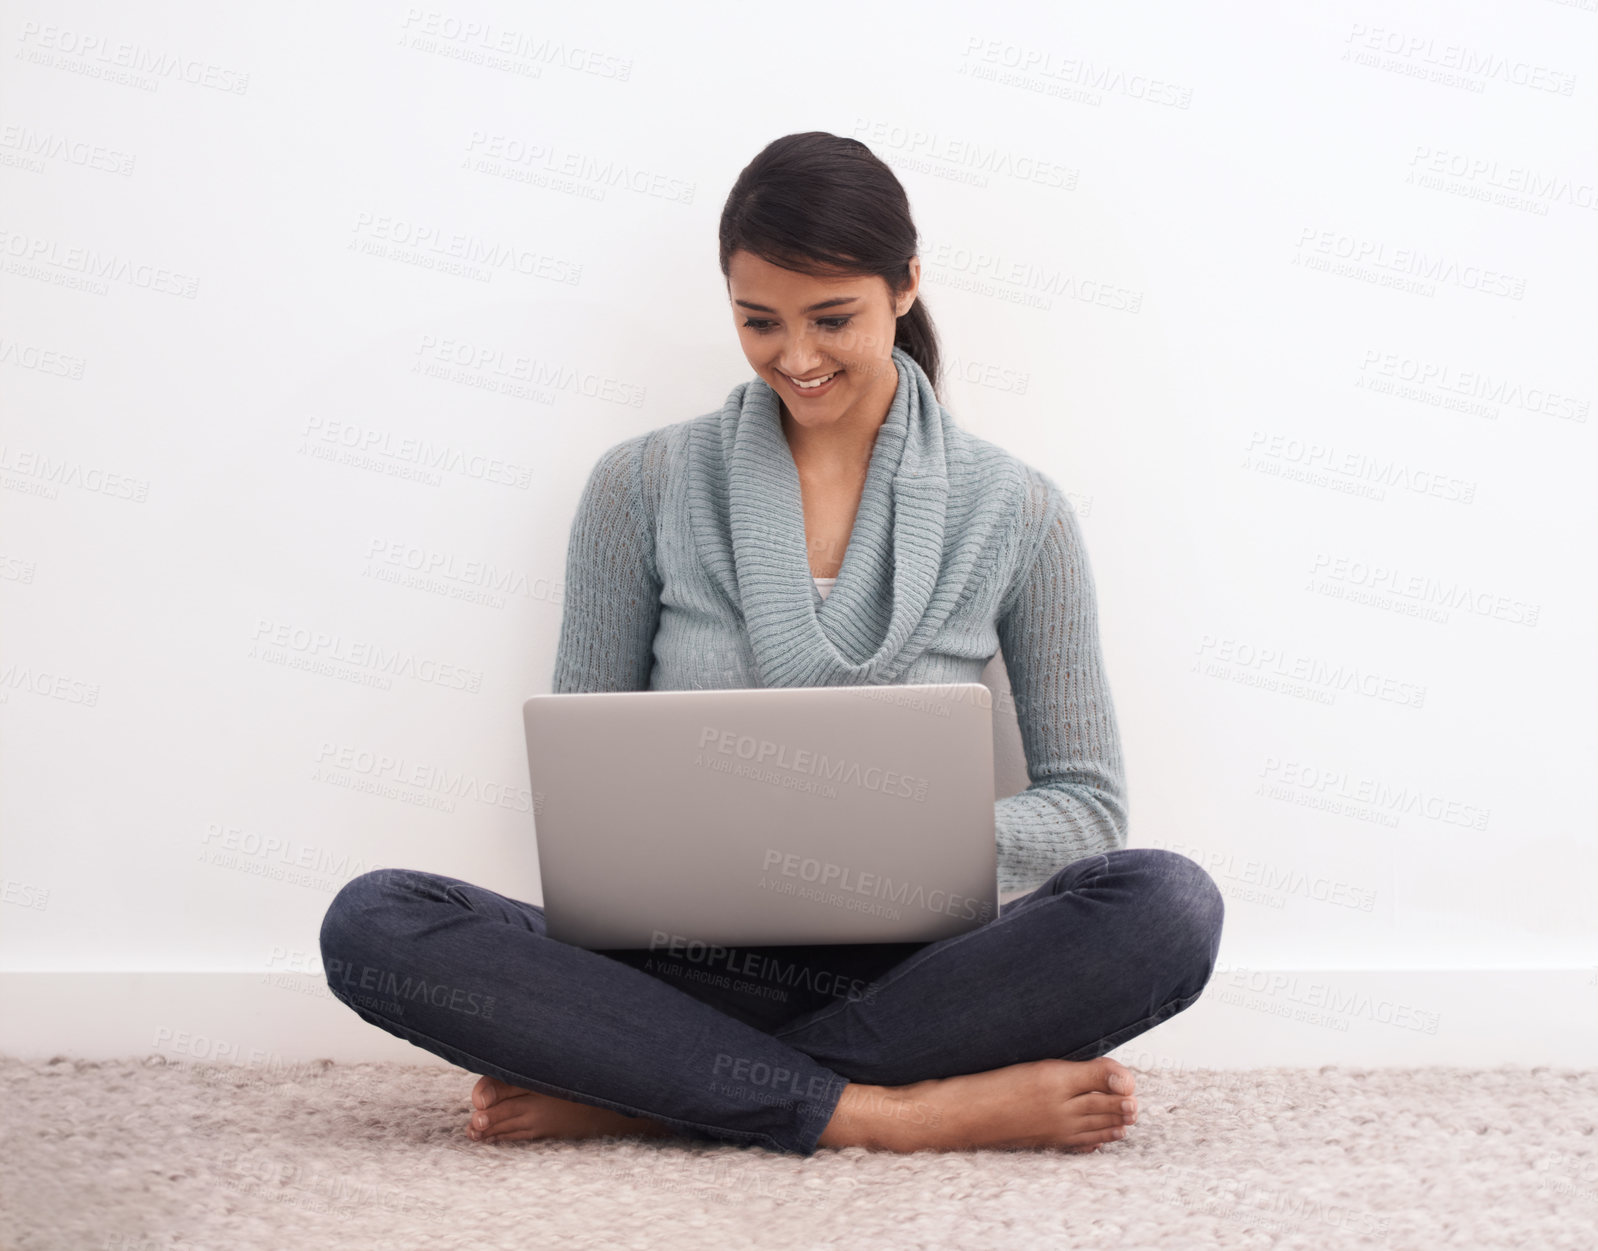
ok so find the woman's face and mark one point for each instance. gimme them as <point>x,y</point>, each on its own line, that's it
<point>797,328</point>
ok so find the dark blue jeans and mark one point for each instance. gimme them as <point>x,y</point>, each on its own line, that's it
<point>754,1045</point>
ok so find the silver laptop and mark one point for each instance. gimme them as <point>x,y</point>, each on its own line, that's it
<point>841,814</point>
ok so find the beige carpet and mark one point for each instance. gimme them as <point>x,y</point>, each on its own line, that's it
<point>134,1155</point>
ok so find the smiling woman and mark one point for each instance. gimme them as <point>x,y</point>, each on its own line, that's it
<point>818,249</point>
<point>819,252</point>
<point>695,561</point>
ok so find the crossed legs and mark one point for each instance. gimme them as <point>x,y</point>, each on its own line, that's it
<point>995,1037</point>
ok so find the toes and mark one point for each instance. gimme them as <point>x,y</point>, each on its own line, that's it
<point>1092,1124</point>
<point>519,1112</point>
<point>1094,1137</point>
<point>490,1090</point>
<point>513,1135</point>
<point>1115,1077</point>
<point>1098,1103</point>
<point>486,1092</point>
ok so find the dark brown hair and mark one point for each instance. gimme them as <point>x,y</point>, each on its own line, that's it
<point>822,204</point>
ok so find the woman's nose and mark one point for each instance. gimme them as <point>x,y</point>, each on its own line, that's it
<point>798,358</point>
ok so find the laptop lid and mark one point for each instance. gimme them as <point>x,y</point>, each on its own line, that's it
<point>841,814</point>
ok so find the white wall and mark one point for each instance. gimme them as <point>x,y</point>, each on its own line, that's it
<point>1302,297</point>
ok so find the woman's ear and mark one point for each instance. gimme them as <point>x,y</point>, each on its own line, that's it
<point>907,297</point>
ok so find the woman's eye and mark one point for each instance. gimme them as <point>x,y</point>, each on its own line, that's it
<point>762,326</point>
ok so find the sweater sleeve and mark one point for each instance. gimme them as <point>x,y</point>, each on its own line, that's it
<point>1075,805</point>
<point>611,600</point>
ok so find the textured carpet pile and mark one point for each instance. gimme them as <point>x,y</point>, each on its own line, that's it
<point>134,1155</point>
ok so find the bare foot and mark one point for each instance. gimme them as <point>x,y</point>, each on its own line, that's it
<point>505,1113</point>
<point>1075,1104</point>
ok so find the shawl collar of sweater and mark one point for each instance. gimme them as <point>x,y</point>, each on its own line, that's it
<point>894,588</point>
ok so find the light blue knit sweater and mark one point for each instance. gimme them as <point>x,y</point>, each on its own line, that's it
<point>687,568</point>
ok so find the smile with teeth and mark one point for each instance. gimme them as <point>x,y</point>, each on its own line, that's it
<point>814,382</point>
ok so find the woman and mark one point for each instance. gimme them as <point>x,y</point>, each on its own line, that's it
<point>927,549</point>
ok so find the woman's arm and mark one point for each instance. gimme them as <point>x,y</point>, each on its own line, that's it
<point>1049,632</point>
<point>612,593</point>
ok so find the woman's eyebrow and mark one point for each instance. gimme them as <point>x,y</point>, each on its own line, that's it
<point>832,303</point>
